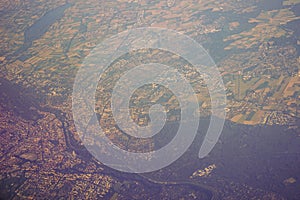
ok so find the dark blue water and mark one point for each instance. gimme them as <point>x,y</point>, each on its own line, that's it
<point>40,27</point>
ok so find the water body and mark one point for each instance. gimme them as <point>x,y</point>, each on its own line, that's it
<point>270,5</point>
<point>259,156</point>
<point>41,26</point>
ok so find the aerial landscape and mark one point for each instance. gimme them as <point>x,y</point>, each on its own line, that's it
<point>255,47</point>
